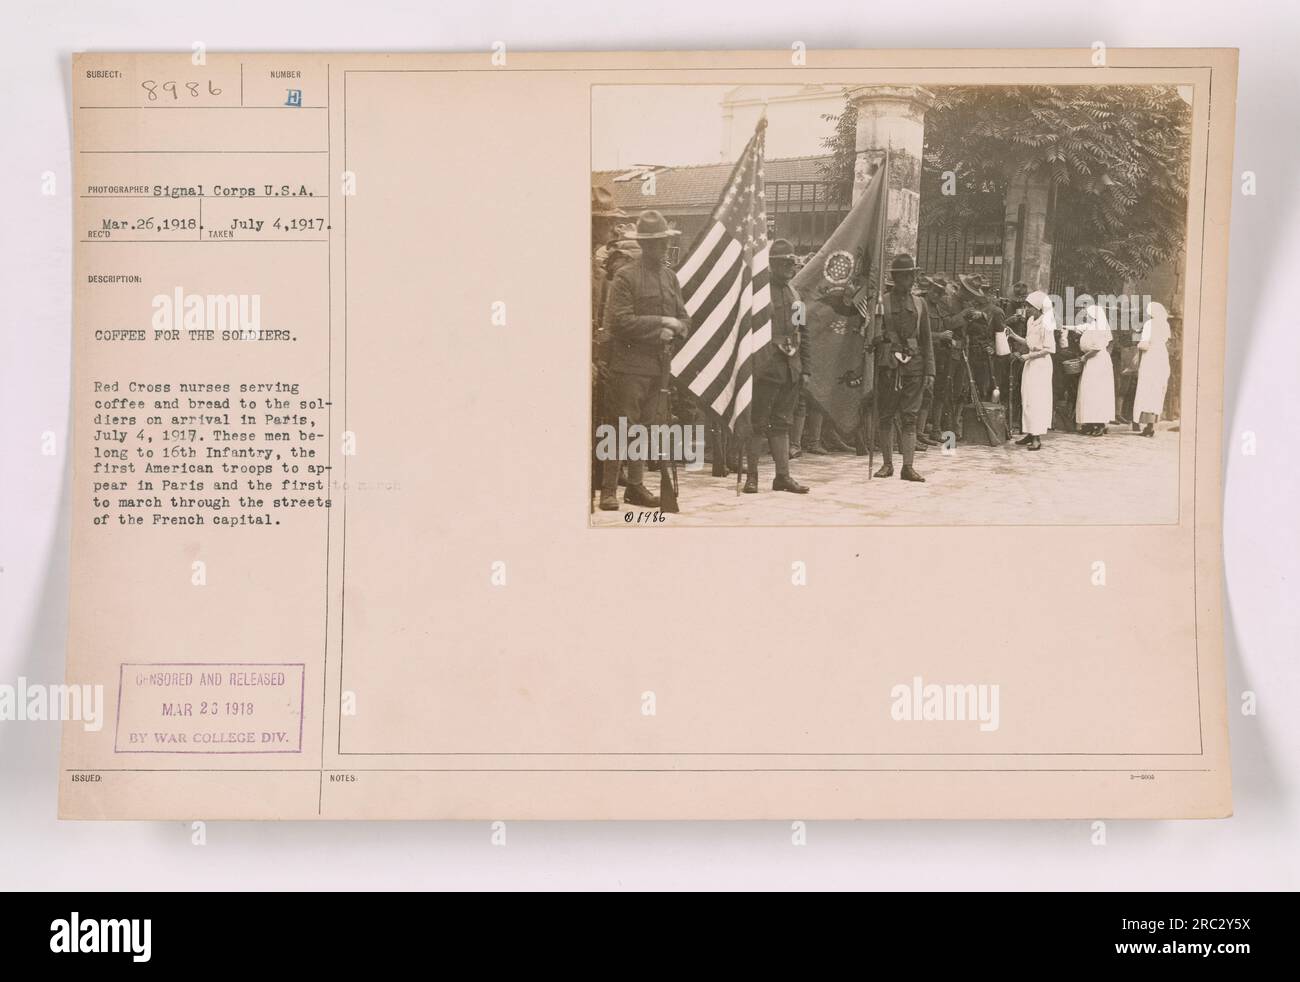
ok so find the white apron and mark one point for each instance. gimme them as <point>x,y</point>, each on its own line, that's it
<point>1153,370</point>
<point>1096,400</point>
<point>1036,381</point>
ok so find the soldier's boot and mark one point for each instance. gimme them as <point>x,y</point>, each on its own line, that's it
<point>610,470</point>
<point>718,450</point>
<point>781,457</point>
<point>908,440</point>
<point>735,455</point>
<point>832,442</point>
<point>758,445</point>
<point>814,444</point>
<point>935,420</point>
<point>751,472</point>
<point>922,441</point>
<point>885,441</point>
<point>639,494</point>
<point>800,420</point>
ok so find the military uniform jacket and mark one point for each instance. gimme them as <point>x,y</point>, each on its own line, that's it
<point>906,328</point>
<point>598,286</point>
<point>783,358</point>
<point>640,294</point>
<point>945,315</point>
<point>982,331</point>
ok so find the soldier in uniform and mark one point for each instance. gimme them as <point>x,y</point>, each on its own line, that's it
<point>605,214</point>
<point>780,374</point>
<point>947,330</point>
<point>643,314</point>
<point>605,257</point>
<point>904,367</point>
<point>1067,365</point>
<point>983,320</point>
<point>1016,311</point>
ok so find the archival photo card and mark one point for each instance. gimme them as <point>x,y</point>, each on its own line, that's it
<point>753,435</point>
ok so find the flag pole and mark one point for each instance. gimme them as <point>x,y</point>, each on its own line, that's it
<point>879,315</point>
<point>745,442</point>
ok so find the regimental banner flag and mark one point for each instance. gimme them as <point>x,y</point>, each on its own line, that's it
<point>839,285</point>
<point>724,280</point>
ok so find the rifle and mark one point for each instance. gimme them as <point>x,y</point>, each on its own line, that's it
<point>978,401</point>
<point>1020,318</point>
<point>879,313</point>
<point>872,353</point>
<point>875,415</point>
<point>1014,386</point>
<point>667,468</point>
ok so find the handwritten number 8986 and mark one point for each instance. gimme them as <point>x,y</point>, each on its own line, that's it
<point>174,89</point>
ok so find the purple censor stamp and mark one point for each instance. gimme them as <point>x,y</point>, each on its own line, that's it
<point>207,708</point>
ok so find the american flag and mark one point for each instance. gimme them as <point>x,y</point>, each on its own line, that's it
<point>725,283</point>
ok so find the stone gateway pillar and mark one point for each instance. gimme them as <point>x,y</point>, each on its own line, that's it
<point>892,117</point>
<point>1028,243</point>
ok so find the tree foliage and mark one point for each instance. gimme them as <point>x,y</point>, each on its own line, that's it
<point>841,149</point>
<point>1117,157</point>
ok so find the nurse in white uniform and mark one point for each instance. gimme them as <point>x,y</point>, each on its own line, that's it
<point>1153,369</point>
<point>1095,405</point>
<point>1036,382</point>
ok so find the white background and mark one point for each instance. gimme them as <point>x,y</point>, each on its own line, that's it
<point>1253,850</point>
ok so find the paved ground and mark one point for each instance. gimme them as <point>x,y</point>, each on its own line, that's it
<point>1118,479</point>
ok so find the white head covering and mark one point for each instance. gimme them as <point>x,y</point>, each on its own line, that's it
<point>1097,319</point>
<point>1156,329</point>
<point>1044,303</point>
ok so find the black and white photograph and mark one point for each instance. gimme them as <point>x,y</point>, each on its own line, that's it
<point>888,304</point>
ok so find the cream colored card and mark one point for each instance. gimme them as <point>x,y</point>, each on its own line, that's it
<point>337,550</point>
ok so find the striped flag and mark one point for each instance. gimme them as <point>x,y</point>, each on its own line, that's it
<point>724,281</point>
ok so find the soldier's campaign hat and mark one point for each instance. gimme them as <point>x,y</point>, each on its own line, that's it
<point>903,263</point>
<point>1020,290</point>
<point>973,285</point>
<point>781,249</point>
<point>939,281</point>
<point>652,225</point>
<point>603,204</point>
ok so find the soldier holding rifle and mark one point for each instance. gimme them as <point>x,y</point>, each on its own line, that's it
<point>948,332</point>
<point>983,320</point>
<point>644,313</point>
